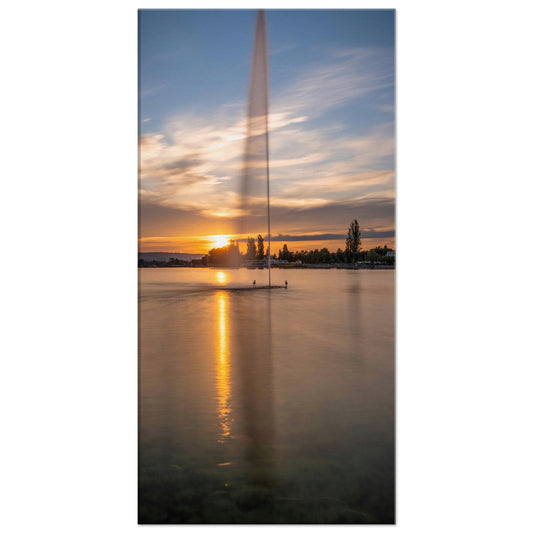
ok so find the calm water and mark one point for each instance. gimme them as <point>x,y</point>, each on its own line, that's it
<point>266,406</point>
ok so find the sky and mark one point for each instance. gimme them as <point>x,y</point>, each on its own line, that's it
<point>331,134</point>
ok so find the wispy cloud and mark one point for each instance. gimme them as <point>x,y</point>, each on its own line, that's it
<point>282,49</point>
<point>194,165</point>
<point>150,91</point>
<point>345,75</point>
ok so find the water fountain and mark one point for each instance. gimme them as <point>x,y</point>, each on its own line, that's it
<point>256,152</point>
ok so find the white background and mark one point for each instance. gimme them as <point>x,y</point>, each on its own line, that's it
<point>68,377</point>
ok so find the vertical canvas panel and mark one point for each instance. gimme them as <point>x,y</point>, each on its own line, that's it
<point>266,373</point>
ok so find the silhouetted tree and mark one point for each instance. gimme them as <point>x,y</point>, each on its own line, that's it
<point>251,249</point>
<point>226,256</point>
<point>382,251</point>
<point>372,256</point>
<point>302,256</point>
<point>286,255</point>
<point>348,256</point>
<point>260,248</point>
<point>353,240</point>
<point>324,256</point>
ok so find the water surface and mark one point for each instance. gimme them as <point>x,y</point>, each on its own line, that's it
<point>266,406</point>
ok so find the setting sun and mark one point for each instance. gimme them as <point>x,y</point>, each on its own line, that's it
<point>218,241</point>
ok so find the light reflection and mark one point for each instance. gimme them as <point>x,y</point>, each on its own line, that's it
<point>221,277</point>
<point>223,367</point>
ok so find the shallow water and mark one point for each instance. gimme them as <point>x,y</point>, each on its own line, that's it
<point>266,406</point>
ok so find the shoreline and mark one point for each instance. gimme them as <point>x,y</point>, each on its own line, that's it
<point>281,267</point>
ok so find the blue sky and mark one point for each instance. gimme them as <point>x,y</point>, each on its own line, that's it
<point>332,124</point>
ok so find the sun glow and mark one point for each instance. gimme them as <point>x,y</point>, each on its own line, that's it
<point>219,241</point>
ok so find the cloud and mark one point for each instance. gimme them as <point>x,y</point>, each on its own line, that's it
<point>369,234</point>
<point>321,170</point>
<point>151,91</point>
<point>282,48</point>
<point>345,75</point>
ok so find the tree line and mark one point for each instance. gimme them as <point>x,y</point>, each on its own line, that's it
<point>230,255</point>
<point>324,256</point>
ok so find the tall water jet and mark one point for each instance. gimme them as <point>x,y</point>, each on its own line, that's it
<point>256,156</point>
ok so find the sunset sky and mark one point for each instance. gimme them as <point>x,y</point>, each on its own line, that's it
<point>332,126</point>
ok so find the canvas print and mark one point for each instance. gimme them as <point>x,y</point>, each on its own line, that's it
<point>266,267</point>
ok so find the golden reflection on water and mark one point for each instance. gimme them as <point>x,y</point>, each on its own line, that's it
<point>221,277</point>
<point>223,367</point>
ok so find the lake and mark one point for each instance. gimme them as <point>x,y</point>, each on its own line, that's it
<point>266,406</point>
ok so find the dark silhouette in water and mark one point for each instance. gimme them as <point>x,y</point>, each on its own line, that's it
<point>254,371</point>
